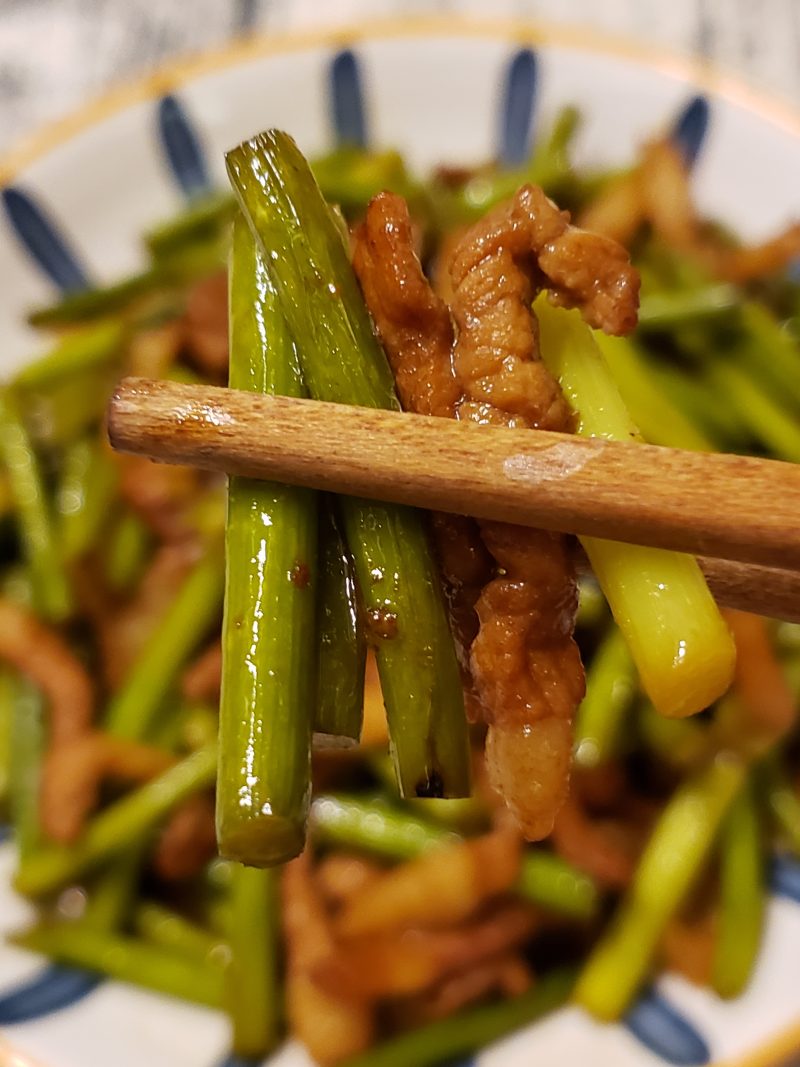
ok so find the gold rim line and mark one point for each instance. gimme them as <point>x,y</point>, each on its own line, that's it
<point>696,72</point>
<point>773,1052</point>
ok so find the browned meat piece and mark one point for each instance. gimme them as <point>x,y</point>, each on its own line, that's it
<point>525,666</point>
<point>126,632</point>
<point>527,672</point>
<point>341,875</point>
<point>658,191</point>
<point>205,324</point>
<point>522,662</point>
<point>413,323</point>
<point>405,962</point>
<point>188,840</point>
<point>38,652</point>
<point>417,335</point>
<point>439,888</point>
<point>688,948</point>
<point>535,240</point>
<point>593,846</point>
<point>202,679</point>
<point>753,261</point>
<point>618,210</point>
<point>331,1025</point>
<point>152,352</point>
<point>507,974</point>
<point>75,769</point>
<point>160,494</point>
<point>768,709</point>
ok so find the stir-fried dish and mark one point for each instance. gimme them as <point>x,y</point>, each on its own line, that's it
<point>389,782</point>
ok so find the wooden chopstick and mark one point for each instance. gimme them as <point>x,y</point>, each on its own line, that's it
<point>721,506</point>
<point>750,587</point>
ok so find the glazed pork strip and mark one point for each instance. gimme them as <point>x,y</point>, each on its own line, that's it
<point>524,665</point>
<point>416,332</point>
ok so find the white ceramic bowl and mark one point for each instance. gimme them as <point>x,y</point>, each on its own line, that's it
<point>76,201</point>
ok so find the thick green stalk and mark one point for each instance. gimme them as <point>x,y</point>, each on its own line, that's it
<point>118,827</point>
<point>69,408</point>
<point>112,894</point>
<point>769,350</point>
<point>78,351</point>
<point>782,799</point>
<point>660,600</point>
<point>268,633</point>
<point>253,989</point>
<point>681,743</point>
<point>6,502</point>
<point>343,362</point>
<point>39,544</point>
<point>153,293</point>
<point>592,606</point>
<point>126,551</point>
<point>167,929</point>
<point>8,693</point>
<point>127,960</point>
<point>467,1031</point>
<point>85,493</point>
<point>201,224</point>
<point>679,846</point>
<point>610,691</point>
<point>765,417</point>
<point>661,422</point>
<point>342,645</point>
<point>391,833</point>
<point>549,166</point>
<point>188,618</point>
<point>349,177</point>
<point>670,308</point>
<point>742,897</point>
<point>92,305</point>
<point>372,825</point>
<point>27,743</point>
<point>463,815</point>
<point>692,395</point>
<point>198,726</point>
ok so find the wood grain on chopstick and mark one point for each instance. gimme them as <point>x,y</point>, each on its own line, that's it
<point>724,506</point>
<point>749,587</point>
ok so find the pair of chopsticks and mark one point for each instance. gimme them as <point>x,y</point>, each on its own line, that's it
<point>738,514</point>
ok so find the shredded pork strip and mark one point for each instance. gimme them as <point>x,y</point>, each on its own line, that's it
<point>523,663</point>
<point>202,679</point>
<point>417,335</point>
<point>188,840</point>
<point>330,1023</point>
<point>396,963</point>
<point>75,770</point>
<point>658,191</point>
<point>41,654</point>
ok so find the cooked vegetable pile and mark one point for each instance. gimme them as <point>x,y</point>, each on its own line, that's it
<point>371,884</point>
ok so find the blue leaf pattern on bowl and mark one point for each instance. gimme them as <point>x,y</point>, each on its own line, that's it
<point>348,114</point>
<point>43,240</point>
<point>517,111</point>
<point>664,1031</point>
<point>785,877</point>
<point>52,990</point>
<point>691,127</point>
<point>182,147</point>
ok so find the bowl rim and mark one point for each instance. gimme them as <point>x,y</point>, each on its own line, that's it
<point>696,71</point>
